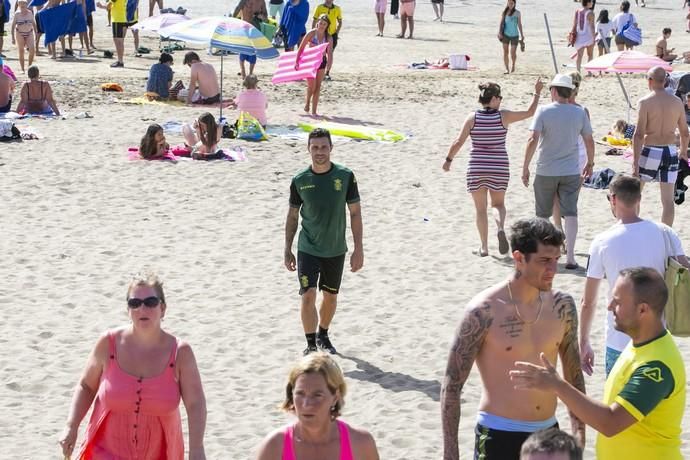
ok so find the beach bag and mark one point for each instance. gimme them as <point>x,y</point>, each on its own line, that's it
<point>249,128</point>
<point>572,35</point>
<point>677,277</point>
<point>632,33</point>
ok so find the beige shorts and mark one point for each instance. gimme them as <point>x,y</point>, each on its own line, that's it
<point>407,8</point>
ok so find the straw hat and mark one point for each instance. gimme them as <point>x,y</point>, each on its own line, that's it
<point>564,81</point>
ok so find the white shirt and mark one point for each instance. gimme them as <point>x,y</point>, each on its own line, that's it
<point>622,246</point>
<point>604,30</point>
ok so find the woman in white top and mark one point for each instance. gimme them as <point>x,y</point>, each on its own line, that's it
<point>604,28</point>
<point>584,25</point>
<point>619,21</point>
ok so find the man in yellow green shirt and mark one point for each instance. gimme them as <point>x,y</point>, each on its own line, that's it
<point>644,397</point>
<point>124,14</point>
<point>336,17</point>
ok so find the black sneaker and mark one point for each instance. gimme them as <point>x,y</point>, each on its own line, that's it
<point>323,342</point>
<point>309,349</point>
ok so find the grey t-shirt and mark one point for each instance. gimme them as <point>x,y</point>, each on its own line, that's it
<point>559,126</point>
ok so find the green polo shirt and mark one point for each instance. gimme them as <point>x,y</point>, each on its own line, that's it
<point>321,199</point>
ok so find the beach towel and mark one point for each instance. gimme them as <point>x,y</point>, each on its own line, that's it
<point>309,63</point>
<point>177,152</point>
<point>355,131</point>
<point>293,22</point>
<point>67,19</point>
<point>6,11</point>
<point>600,179</point>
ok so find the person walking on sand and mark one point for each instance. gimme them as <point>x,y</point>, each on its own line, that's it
<point>406,17</point>
<point>320,194</point>
<point>315,37</point>
<point>124,15</point>
<point>604,28</point>
<point>335,18</point>
<point>488,169</point>
<point>620,20</point>
<point>438,9</point>
<point>380,9</point>
<point>610,252</point>
<point>23,31</point>
<point>584,25</point>
<point>644,397</point>
<point>554,132</point>
<point>510,34</point>
<point>513,321</point>
<point>152,4</point>
<point>655,154</point>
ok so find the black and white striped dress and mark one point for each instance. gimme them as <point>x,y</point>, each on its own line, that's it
<point>488,166</point>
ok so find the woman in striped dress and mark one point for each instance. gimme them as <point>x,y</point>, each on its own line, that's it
<point>488,168</point>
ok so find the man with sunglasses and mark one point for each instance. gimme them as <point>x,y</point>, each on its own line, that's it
<point>630,242</point>
<point>656,155</point>
<point>320,194</point>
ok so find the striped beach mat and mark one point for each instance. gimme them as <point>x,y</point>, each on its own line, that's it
<point>309,63</point>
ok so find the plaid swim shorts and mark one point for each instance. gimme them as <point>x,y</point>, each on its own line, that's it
<point>659,163</point>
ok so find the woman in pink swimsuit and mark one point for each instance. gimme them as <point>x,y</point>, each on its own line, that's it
<point>137,376</point>
<point>315,394</point>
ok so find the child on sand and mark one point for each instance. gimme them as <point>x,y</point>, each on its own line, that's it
<point>252,100</point>
<point>153,144</point>
<point>203,136</point>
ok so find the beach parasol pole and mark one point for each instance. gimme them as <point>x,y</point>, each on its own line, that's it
<point>548,33</point>
<point>620,82</point>
<point>220,117</point>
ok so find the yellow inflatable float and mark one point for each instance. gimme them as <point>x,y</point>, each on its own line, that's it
<point>355,131</point>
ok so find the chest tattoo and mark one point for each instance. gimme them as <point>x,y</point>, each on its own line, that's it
<point>512,326</point>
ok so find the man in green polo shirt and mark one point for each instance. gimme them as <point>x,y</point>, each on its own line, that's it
<point>320,194</point>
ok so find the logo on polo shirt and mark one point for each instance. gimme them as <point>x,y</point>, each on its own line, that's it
<point>338,185</point>
<point>653,374</point>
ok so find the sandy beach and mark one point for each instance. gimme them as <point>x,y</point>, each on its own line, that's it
<point>78,218</point>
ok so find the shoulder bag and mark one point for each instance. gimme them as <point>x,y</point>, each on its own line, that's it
<point>677,277</point>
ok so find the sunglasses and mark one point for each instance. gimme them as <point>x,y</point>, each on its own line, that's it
<point>149,302</point>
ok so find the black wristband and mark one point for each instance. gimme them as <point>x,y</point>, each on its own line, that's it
<point>449,159</point>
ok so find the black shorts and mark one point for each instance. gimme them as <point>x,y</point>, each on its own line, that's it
<point>490,444</point>
<point>324,63</point>
<point>89,20</point>
<point>39,29</point>
<point>437,1</point>
<point>335,41</point>
<point>120,28</point>
<point>327,272</point>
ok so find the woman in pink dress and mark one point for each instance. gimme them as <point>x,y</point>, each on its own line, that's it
<point>315,393</point>
<point>137,376</point>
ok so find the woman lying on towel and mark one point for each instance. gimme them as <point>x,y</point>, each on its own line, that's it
<point>153,145</point>
<point>37,96</point>
<point>203,137</point>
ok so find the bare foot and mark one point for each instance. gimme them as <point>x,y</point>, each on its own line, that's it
<point>409,37</point>
<point>506,72</point>
<point>306,108</point>
<point>480,252</point>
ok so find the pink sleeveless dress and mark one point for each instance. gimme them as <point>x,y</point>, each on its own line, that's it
<point>345,447</point>
<point>134,417</point>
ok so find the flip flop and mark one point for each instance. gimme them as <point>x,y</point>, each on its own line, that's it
<point>480,253</point>
<point>503,246</point>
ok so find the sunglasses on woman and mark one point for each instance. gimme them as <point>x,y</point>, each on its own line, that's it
<point>149,302</point>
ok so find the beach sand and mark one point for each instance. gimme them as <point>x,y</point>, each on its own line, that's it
<point>78,218</point>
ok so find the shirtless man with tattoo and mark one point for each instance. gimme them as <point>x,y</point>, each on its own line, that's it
<point>513,321</point>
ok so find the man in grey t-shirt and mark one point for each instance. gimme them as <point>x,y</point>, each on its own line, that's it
<point>555,130</point>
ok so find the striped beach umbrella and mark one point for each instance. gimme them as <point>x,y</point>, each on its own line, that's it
<point>628,61</point>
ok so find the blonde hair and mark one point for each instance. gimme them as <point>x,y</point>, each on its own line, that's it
<point>577,79</point>
<point>317,363</point>
<point>619,128</point>
<point>148,279</point>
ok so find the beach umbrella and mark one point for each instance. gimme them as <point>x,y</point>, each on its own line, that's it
<point>628,61</point>
<point>224,33</point>
<point>155,23</point>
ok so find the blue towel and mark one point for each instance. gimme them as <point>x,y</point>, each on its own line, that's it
<point>6,11</point>
<point>132,6</point>
<point>37,3</point>
<point>62,20</point>
<point>90,6</point>
<point>293,22</point>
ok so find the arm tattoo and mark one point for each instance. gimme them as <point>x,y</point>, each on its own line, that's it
<point>569,350</point>
<point>469,338</point>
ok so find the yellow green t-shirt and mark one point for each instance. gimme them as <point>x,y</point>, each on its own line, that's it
<point>648,380</point>
<point>333,13</point>
<point>120,8</point>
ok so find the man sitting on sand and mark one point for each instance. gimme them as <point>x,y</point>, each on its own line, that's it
<point>6,89</point>
<point>512,321</point>
<point>203,83</point>
<point>655,154</point>
<point>662,51</point>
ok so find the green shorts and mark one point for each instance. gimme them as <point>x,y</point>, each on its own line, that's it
<point>549,188</point>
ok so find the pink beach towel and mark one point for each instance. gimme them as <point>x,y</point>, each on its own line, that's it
<point>309,63</point>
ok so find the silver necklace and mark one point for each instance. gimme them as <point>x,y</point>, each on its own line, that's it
<point>517,310</point>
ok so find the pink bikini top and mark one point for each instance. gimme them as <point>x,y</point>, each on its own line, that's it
<point>345,448</point>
